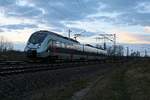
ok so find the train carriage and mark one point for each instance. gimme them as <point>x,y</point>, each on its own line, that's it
<point>46,44</point>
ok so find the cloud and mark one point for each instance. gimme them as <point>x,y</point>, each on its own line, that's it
<point>5,20</point>
<point>25,12</point>
<point>127,37</point>
<point>6,2</point>
<point>18,36</point>
<point>143,7</point>
<point>1,30</point>
<point>24,3</point>
<point>130,17</point>
<point>128,12</point>
<point>25,9</point>
<point>18,26</point>
<point>66,9</point>
<point>147,29</point>
<point>144,38</point>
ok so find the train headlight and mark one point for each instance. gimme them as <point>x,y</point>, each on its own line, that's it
<point>39,45</point>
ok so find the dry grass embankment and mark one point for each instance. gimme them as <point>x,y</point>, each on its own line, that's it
<point>129,82</point>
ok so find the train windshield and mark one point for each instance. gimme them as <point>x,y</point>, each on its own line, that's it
<point>37,37</point>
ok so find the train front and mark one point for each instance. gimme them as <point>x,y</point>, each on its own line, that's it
<point>35,47</point>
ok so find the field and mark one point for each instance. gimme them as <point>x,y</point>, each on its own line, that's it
<point>107,81</point>
<point>130,81</point>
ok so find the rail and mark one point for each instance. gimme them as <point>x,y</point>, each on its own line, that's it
<point>20,67</point>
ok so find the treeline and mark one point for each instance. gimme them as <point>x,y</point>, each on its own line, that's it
<point>117,50</point>
<point>7,51</point>
<point>5,45</point>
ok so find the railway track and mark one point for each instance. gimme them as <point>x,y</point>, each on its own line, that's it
<point>21,67</point>
<point>15,67</point>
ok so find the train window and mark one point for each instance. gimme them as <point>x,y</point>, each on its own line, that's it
<point>50,42</point>
<point>69,46</point>
<point>37,37</point>
<point>58,44</point>
<point>54,42</point>
<point>63,45</point>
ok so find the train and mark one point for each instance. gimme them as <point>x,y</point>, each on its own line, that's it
<point>53,46</point>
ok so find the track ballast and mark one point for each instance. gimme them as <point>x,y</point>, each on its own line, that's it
<point>9,68</point>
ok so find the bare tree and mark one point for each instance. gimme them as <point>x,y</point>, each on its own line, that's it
<point>119,50</point>
<point>5,45</point>
<point>135,54</point>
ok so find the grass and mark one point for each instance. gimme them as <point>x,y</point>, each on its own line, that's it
<point>12,55</point>
<point>138,79</point>
<point>131,82</point>
<point>60,93</point>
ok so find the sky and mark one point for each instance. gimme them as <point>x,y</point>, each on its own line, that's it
<point>128,19</point>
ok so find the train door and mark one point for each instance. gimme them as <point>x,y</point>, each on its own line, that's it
<point>50,45</point>
<point>53,46</point>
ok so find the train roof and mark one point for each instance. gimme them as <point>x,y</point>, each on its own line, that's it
<point>49,32</point>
